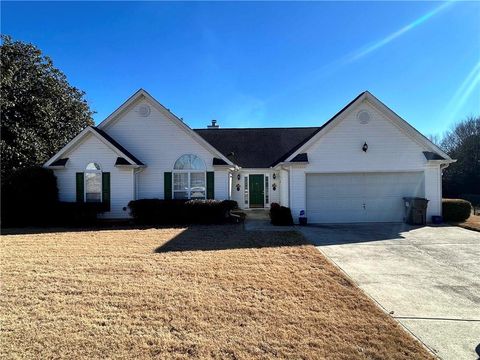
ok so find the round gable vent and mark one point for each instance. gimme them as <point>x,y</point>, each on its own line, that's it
<point>363,117</point>
<point>143,110</point>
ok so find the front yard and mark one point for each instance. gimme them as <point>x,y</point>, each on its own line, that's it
<point>199,292</point>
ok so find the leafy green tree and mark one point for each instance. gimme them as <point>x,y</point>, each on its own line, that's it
<point>463,144</point>
<point>40,110</point>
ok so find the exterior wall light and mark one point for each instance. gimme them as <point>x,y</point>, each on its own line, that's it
<point>365,147</point>
<point>274,186</point>
<point>274,176</point>
<point>238,187</point>
<point>238,177</point>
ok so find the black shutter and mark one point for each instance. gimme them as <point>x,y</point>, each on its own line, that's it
<point>167,185</point>
<point>106,191</point>
<point>210,185</point>
<point>80,187</point>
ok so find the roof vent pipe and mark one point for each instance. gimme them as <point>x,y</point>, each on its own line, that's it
<point>214,125</point>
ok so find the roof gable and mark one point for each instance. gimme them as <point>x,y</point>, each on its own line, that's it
<point>104,138</point>
<point>400,123</point>
<point>142,94</point>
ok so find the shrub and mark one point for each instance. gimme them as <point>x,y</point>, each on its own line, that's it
<point>280,215</point>
<point>29,197</point>
<point>456,209</point>
<point>77,214</point>
<point>156,211</point>
<point>230,204</point>
<point>474,199</point>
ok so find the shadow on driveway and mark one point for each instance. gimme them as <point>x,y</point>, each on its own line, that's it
<point>337,234</point>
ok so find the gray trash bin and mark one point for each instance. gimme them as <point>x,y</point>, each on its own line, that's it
<point>415,210</point>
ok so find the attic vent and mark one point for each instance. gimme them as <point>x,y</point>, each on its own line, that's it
<point>363,117</point>
<point>143,110</point>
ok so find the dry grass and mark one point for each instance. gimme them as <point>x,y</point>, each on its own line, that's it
<point>109,294</point>
<point>472,223</point>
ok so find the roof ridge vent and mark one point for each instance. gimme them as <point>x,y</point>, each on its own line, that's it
<point>213,125</point>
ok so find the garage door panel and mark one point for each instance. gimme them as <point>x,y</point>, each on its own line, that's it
<point>366,197</point>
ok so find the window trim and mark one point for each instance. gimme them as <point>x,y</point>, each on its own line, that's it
<point>194,170</point>
<point>91,171</point>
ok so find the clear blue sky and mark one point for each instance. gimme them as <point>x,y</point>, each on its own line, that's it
<point>255,64</point>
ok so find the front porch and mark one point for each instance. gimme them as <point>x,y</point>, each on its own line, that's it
<point>258,188</point>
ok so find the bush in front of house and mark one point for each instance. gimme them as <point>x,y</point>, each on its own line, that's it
<point>159,212</point>
<point>474,199</point>
<point>29,198</point>
<point>280,215</point>
<point>76,214</point>
<point>456,210</point>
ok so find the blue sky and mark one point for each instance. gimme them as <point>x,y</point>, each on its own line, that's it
<point>258,64</point>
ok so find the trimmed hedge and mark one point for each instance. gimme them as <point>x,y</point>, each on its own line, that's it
<point>280,215</point>
<point>474,199</point>
<point>29,198</point>
<point>456,209</point>
<point>159,212</point>
<point>77,214</point>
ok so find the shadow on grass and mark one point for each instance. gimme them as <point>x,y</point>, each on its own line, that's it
<point>102,226</point>
<point>226,237</point>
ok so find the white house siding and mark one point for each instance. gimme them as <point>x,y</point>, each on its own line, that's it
<point>275,194</point>
<point>389,150</point>
<point>433,192</point>
<point>297,198</point>
<point>158,142</point>
<point>238,196</point>
<point>283,188</point>
<point>221,184</point>
<point>91,149</point>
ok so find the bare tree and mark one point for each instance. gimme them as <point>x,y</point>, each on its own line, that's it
<point>463,144</point>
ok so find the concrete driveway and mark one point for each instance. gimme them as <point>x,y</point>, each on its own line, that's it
<point>428,278</point>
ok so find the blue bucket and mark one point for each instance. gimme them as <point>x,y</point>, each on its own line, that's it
<point>437,219</point>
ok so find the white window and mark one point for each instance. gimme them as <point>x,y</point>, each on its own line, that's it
<point>93,183</point>
<point>189,178</point>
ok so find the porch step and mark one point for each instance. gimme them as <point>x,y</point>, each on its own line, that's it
<point>260,214</point>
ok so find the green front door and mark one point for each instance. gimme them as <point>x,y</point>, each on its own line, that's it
<point>256,191</point>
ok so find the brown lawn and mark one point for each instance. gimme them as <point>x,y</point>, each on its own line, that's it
<point>201,292</point>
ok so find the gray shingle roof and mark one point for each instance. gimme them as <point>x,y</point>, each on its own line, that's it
<point>257,147</point>
<point>429,155</point>
<point>118,146</point>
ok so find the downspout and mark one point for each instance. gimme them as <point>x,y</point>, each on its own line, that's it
<point>135,180</point>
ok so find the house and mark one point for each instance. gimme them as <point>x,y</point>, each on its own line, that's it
<point>356,167</point>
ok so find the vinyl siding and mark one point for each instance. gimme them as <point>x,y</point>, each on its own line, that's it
<point>158,142</point>
<point>389,150</point>
<point>283,188</point>
<point>91,149</point>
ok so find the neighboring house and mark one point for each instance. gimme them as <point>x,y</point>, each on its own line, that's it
<point>356,167</point>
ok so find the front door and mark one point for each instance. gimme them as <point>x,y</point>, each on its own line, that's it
<point>257,191</point>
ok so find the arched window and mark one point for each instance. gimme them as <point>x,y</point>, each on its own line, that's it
<point>189,178</point>
<point>93,183</point>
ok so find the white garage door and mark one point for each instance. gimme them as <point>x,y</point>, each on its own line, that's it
<point>360,197</point>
